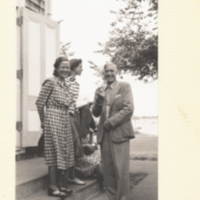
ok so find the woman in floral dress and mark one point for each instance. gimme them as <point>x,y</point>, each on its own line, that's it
<point>90,163</point>
<point>55,121</point>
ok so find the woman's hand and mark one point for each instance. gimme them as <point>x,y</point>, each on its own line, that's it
<point>42,125</point>
<point>86,139</point>
<point>91,130</point>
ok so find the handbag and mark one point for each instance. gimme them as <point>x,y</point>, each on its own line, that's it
<point>41,146</point>
<point>89,149</point>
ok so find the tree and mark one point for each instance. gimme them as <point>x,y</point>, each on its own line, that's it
<point>64,48</point>
<point>98,70</point>
<point>133,43</point>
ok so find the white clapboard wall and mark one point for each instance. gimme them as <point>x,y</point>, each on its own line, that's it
<point>37,49</point>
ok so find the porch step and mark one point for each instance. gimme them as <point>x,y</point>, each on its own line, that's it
<point>26,153</point>
<point>85,192</point>
<point>31,177</point>
<point>32,182</point>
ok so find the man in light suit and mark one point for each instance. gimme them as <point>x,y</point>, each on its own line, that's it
<point>114,104</point>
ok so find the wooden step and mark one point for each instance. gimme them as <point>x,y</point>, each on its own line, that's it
<point>31,177</point>
<point>32,182</point>
<point>85,192</point>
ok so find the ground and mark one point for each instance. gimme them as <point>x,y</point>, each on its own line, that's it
<point>146,189</point>
<point>144,151</point>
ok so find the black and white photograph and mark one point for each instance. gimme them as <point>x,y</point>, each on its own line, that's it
<point>86,100</point>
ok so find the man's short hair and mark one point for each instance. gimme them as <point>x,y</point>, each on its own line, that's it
<point>110,63</point>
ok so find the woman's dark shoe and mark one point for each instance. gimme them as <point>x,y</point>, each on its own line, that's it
<point>66,190</point>
<point>56,193</point>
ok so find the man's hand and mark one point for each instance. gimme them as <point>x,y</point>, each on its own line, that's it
<point>107,125</point>
<point>100,94</point>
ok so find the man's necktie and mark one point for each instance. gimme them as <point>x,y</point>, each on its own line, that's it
<point>107,102</point>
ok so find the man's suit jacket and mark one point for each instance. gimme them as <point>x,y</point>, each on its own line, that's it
<point>120,113</point>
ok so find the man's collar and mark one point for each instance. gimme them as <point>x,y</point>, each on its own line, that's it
<point>111,85</point>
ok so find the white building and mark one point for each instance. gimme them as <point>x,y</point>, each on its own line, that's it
<point>37,48</point>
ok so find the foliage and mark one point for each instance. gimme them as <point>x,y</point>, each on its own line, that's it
<point>64,48</point>
<point>133,43</point>
<point>99,73</point>
<point>98,70</point>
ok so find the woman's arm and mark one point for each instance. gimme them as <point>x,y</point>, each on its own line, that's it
<point>73,96</point>
<point>42,99</point>
<point>77,88</point>
<point>91,132</point>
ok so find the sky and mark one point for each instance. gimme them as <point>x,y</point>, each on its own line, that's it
<point>85,23</point>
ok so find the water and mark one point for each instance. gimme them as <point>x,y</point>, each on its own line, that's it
<point>146,126</point>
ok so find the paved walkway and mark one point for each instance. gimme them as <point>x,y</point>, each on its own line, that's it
<point>143,143</point>
<point>30,169</point>
<point>146,189</point>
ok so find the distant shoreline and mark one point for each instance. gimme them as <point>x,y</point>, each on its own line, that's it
<point>144,117</point>
<point>145,125</point>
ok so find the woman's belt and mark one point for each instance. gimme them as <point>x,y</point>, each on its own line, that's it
<point>57,107</point>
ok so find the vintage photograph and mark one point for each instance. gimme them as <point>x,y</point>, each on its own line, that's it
<point>86,99</point>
